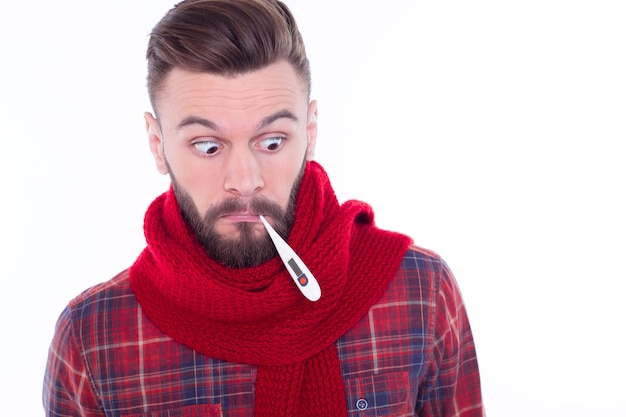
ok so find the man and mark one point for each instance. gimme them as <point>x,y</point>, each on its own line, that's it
<point>258,293</point>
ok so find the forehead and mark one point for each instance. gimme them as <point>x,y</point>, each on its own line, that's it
<point>188,92</point>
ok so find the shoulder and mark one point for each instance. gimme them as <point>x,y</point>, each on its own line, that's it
<point>116,288</point>
<point>104,312</point>
<point>427,269</point>
<point>101,306</point>
<point>424,278</point>
<point>417,281</point>
<point>77,315</point>
<point>423,264</point>
<point>419,254</point>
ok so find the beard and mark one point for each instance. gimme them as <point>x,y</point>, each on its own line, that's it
<point>248,248</point>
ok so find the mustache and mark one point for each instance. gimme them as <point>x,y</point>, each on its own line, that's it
<point>258,205</point>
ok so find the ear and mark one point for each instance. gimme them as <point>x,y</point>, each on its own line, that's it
<point>155,139</point>
<point>311,130</point>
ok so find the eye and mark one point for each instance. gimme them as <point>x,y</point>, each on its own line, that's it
<point>207,147</point>
<point>272,143</point>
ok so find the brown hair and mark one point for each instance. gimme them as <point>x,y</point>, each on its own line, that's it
<point>224,37</point>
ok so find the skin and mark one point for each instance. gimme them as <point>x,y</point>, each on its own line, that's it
<point>240,138</point>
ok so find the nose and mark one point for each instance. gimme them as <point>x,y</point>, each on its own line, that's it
<point>243,174</point>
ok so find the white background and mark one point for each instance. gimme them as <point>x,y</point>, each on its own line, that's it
<point>491,131</point>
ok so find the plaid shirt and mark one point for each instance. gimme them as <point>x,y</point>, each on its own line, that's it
<point>411,355</point>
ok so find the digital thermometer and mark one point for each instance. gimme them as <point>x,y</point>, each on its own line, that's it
<point>304,279</point>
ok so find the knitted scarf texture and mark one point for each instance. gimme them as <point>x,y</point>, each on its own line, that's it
<point>257,315</point>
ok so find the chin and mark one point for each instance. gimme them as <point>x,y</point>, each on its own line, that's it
<point>235,231</point>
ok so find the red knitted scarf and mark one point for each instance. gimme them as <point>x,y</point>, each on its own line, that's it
<point>257,315</point>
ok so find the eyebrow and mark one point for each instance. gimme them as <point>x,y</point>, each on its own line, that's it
<point>281,114</point>
<point>195,120</point>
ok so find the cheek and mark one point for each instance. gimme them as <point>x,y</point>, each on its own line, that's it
<point>281,181</point>
<point>205,188</point>
<point>199,183</point>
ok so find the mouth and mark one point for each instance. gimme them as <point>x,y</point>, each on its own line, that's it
<point>242,217</point>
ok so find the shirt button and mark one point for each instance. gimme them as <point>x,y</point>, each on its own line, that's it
<point>361,404</point>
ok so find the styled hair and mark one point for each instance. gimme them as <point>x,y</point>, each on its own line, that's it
<point>224,37</point>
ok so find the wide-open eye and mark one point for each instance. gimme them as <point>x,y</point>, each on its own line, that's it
<point>207,147</point>
<point>272,143</point>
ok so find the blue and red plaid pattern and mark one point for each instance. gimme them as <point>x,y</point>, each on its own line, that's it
<point>412,355</point>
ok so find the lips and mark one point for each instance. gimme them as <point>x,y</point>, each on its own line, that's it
<point>242,217</point>
<point>233,210</point>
